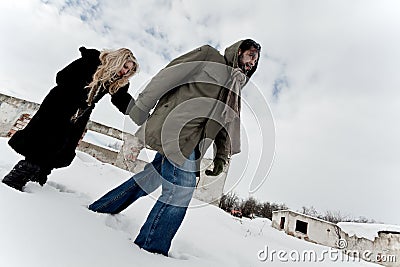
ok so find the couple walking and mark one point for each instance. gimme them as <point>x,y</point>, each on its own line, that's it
<point>196,100</point>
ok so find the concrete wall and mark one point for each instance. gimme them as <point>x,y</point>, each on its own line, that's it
<point>11,109</point>
<point>318,231</point>
<point>384,249</point>
<point>209,189</point>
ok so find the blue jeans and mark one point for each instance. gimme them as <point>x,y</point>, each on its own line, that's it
<point>166,216</point>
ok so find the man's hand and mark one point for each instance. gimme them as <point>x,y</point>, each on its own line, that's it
<point>137,115</point>
<point>218,167</point>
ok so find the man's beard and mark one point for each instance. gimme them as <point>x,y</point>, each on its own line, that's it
<point>242,66</point>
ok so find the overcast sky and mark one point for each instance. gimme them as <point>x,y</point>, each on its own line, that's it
<point>328,72</point>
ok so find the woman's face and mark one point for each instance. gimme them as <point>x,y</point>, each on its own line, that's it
<point>128,66</point>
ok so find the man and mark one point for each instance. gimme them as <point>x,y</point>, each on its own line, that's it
<point>197,101</point>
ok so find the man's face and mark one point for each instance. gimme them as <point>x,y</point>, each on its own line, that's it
<point>247,59</point>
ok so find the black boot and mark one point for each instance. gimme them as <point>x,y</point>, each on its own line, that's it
<point>41,176</point>
<point>22,173</point>
<point>41,179</point>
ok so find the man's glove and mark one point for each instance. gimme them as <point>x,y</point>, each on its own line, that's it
<point>218,167</point>
<point>138,115</point>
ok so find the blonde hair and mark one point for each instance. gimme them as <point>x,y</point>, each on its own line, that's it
<point>106,74</point>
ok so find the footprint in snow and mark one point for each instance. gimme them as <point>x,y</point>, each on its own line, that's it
<point>119,222</point>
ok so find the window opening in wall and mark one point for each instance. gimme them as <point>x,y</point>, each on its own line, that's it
<point>301,226</point>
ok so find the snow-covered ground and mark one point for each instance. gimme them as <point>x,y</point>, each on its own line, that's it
<point>50,226</point>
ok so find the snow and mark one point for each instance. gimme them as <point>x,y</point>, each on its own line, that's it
<point>102,140</point>
<point>366,230</point>
<point>51,226</point>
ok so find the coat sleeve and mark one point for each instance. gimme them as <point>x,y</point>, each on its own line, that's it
<point>223,144</point>
<point>176,73</point>
<point>123,100</point>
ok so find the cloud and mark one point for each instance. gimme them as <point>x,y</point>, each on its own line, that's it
<point>328,69</point>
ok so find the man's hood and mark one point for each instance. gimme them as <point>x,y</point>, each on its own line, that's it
<point>231,57</point>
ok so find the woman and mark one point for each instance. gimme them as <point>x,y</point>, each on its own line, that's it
<point>50,138</point>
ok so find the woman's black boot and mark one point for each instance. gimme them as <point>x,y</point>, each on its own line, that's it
<point>23,172</point>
